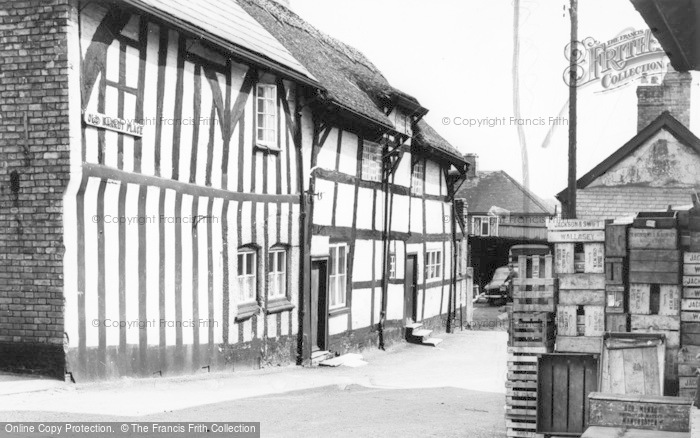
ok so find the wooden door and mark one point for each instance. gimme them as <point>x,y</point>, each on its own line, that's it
<point>318,336</point>
<point>410,310</point>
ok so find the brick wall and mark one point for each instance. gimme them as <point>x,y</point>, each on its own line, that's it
<point>673,95</point>
<point>34,172</point>
<point>615,202</point>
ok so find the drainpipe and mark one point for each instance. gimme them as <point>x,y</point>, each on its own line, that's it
<point>388,201</point>
<point>302,233</point>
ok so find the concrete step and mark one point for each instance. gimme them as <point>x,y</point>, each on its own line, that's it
<point>319,356</point>
<point>414,326</point>
<point>432,342</point>
<point>350,359</point>
<point>421,333</point>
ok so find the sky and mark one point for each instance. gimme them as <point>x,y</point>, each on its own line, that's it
<point>455,57</point>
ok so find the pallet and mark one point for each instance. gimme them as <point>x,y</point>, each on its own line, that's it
<point>534,295</point>
<point>532,329</point>
<point>521,386</point>
<point>521,427</point>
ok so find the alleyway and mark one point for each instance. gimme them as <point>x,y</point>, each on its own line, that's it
<point>456,389</point>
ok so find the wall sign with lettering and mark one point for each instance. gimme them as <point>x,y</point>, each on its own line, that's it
<point>124,126</point>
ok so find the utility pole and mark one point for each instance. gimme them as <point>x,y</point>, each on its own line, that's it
<point>573,82</point>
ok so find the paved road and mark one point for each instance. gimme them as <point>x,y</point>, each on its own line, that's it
<point>454,390</point>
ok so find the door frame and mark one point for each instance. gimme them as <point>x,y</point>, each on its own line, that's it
<point>413,312</point>
<point>322,312</point>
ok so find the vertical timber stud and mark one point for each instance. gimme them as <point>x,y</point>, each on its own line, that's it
<point>571,195</point>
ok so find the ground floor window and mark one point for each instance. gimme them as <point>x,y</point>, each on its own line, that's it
<point>277,273</point>
<point>337,272</point>
<point>247,262</point>
<point>433,264</point>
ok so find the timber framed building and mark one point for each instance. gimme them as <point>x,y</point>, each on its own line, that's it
<point>201,190</point>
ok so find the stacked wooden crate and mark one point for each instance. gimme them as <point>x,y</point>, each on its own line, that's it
<point>688,362</point>
<point>654,291</point>
<point>616,262</point>
<point>532,333</point>
<point>579,252</point>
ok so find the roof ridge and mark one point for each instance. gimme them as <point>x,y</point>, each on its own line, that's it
<point>527,191</point>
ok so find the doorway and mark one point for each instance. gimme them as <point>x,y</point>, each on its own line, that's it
<point>410,310</point>
<point>319,305</point>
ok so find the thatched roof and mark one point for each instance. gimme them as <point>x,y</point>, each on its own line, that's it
<point>351,80</point>
<point>425,136</point>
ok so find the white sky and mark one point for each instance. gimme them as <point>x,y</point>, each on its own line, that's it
<point>455,57</point>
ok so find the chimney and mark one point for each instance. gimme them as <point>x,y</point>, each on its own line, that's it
<point>673,95</point>
<point>472,159</point>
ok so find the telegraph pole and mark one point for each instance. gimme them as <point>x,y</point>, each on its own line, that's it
<point>571,206</point>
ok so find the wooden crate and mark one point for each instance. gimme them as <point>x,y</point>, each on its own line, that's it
<point>694,241</point>
<point>564,258</point>
<point>617,322</point>
<point>640,299</point>
<point>532,329</point>
<point>654,266</point>
<point>535,266</point>
<point>616,240</point>
<point>690,333</point>
<point>688,366</point>
<point>565,380</point>
<point>649,238</point>
<point>568,320</point>
<point>582,281</point>
<point>576,297</point>
<point>669,414</point>
<point>656,219</point>
<point>521,390</point>
<point>633,363</point>
<point>578,344</point>
<point>655,323</point>
<point>614,299</point>
<point>534,295</point>
<point>614,271</point>
<point>594,258</point>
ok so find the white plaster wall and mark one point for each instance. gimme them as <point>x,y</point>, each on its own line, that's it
<point>323,208</point>
<point>395,294</point>
<point>327,153</point>
<point>416,215</point>
<point>345,205</point>
<point>348,154</point>
<point>364,206</point>
<point>338,324</point>
<point>434,217</point>
<point>361,308</point>
<point>399,217</point>
<point>656,165</point>
<point>362,261</point>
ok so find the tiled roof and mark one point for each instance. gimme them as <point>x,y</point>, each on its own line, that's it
<point>498,189</point>
<point>620,201</point>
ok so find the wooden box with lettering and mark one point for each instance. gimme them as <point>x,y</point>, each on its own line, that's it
<point>690,333</point>
<point>653,238</point>
<point>638,303</point>
<point>669,414</point>
<point>616,240</point>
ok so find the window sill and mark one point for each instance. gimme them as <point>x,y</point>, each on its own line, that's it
<point>278,305</point>
<point>267,148</point>
<point>247,311</point>
<point>339,311</point>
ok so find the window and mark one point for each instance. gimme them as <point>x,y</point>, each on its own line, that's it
<point>277,274</point>
<point>267,115</point>
<point>392,266</point>
<point>433,264</point>
<point>337,273</point>
<point>485,225</point>
<point>403,123</point>
<point>371,162</point>
<point>247,276</point>
<point>417,178</point>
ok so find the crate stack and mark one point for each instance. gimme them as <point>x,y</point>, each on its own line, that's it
<point>579,252</point>
<point>654,284</point>
<point>688,363</point>
<point>532,332</point>
<point>616,267</point>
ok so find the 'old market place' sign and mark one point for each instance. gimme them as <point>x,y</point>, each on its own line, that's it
<point>130,127</point>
